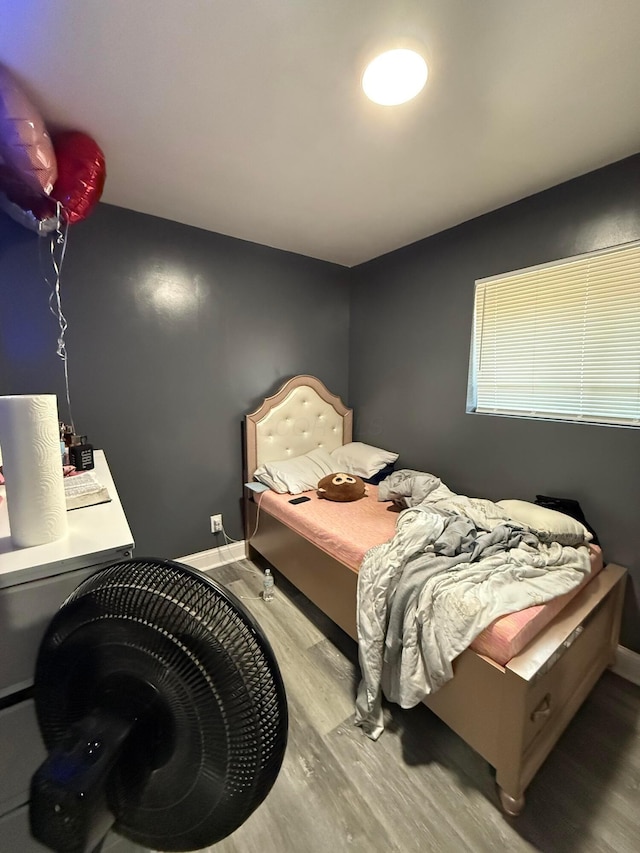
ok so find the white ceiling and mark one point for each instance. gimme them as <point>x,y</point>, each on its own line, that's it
<point>246,117</point>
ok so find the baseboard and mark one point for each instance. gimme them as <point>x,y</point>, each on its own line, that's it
<point>215,557</point>
<point>627,665</point>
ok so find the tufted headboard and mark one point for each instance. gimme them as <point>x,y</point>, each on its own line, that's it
<point>301,416</point>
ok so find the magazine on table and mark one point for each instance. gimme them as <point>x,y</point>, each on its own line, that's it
<point>84,489</point>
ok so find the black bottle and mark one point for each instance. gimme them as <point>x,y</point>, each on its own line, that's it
<point>81,453</point>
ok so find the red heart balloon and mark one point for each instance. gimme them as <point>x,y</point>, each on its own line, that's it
<point>81,174</point>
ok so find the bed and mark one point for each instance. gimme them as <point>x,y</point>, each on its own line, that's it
<point>511,712</point>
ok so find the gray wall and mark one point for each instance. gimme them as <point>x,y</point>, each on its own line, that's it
<point>411,317</point>
<point>174,334</point>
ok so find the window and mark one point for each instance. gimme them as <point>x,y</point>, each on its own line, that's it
<point>560,341</point>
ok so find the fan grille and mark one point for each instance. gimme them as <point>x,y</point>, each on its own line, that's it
<point>211,747</point>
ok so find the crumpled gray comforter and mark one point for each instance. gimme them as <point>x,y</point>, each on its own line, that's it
<point>454,565</point>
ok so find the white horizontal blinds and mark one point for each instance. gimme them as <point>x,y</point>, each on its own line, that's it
<point>562,341</point>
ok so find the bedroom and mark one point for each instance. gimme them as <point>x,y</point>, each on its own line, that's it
<point>161,378</point>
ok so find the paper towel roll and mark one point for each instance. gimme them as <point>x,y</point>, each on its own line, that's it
<point>30,440</point>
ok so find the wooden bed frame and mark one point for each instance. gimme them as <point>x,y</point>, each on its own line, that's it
<point>511,715</point>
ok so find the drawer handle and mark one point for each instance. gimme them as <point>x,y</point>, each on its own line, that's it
<point>543,710</point>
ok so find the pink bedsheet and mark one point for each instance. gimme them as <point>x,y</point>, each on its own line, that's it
<point>508,635</point>
<point>346,531</point>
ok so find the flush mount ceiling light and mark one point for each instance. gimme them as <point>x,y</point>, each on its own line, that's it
<point>394,77</point>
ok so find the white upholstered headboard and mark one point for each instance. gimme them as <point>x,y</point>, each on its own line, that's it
<point>301,416</point>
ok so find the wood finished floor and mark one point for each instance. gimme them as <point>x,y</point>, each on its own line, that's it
<point>420,788</point>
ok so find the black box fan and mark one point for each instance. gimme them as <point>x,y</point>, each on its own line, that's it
<point>163,710</point>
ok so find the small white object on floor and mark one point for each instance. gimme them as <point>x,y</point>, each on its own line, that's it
<point>267,585</point>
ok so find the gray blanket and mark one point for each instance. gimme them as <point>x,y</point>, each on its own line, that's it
<point>454,566</point>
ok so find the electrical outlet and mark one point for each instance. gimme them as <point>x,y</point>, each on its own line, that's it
<point>216,523</point>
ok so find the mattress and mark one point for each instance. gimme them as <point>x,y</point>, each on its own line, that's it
<point>507,636</point>
<point>346,531</point>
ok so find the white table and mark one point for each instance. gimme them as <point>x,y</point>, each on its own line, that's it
<point>96,534</point>
<point>33,584</point>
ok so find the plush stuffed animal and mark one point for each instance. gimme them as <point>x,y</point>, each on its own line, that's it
<point>341,487</point>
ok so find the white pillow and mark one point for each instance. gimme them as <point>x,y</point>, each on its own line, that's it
<point>549,525</point>
<point>361,459</point>
<point>300,474</point>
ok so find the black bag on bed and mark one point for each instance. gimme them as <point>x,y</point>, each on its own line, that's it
<point>569,507</point>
